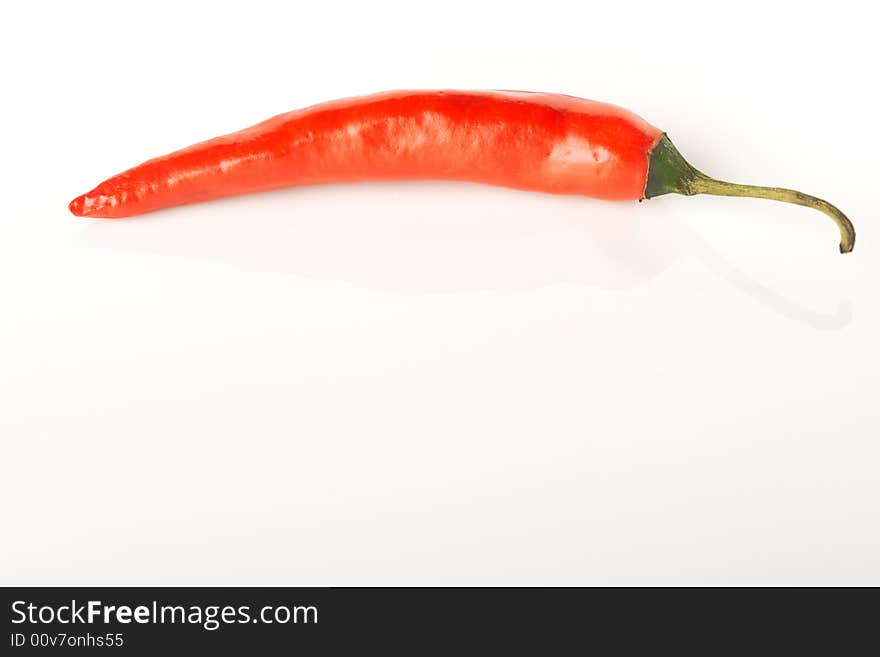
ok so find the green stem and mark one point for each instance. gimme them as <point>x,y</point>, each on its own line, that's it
<point>670,173</point>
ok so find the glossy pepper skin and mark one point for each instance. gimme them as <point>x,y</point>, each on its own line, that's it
<point>534,141</point>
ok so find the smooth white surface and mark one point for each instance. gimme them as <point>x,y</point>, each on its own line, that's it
<point>439,383</point>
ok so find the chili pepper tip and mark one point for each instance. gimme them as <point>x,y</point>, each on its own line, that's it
<point>76,206</point>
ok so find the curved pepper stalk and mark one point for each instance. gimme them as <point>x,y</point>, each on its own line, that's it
<point>670,173</point>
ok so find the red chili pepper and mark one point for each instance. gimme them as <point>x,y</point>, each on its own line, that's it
<point>545,142</point>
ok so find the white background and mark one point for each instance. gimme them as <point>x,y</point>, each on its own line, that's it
<point>439,383</point>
